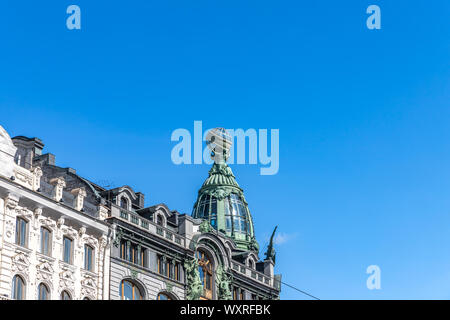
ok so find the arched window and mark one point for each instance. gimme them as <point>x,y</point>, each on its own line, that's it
<point>43,292</point>
<point>159,220</point>
<point>124,203</point>
<point>21,232</point>
<point>251,264</point>
<point>88,258</point>
<point>18,288</point>
<point>163,296</point>
<point>205,269</point>
<point>129,291</point>
<point>46,241</point>
<point>65,295</point>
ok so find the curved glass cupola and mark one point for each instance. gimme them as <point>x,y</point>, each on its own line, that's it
<point>221,201</point>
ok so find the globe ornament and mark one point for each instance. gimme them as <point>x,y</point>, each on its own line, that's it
<point>219,141</point>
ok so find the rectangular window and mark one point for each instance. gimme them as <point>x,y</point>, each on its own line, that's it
<point>46,241</point>
<point>88,258</point>
<point>177,271</point>
<point>123,250</point>
<point>67,251</point>
<point>235,293</point>
<point>21,232</point>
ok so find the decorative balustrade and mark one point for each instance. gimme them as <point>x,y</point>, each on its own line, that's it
<point>251,273</point>
<point>148,225</point>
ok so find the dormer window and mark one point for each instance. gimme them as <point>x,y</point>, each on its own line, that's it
<point>124,203</point>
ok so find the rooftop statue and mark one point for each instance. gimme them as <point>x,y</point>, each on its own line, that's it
<point>270,253</point>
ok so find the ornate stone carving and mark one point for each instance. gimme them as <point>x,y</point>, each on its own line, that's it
<point>66,276</point>
<point>20,262</point>
<point>47,222</point>
<point>44,270</point>
<point>24,177</point>
<point>103,212</point>
<point>59,185</point>
<point>78,201</point>
<point>11,201</point>
<point>37,174</point>
<point>9,229</point>
<point>60,222</point>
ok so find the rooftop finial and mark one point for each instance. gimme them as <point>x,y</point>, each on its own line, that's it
<point>219,141</point>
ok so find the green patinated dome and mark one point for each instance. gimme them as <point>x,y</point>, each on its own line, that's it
<point>221,201</point>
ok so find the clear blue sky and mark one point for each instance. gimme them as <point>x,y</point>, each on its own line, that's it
<point>363,116</point>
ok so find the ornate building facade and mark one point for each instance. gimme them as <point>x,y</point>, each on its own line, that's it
<point>64,237</point>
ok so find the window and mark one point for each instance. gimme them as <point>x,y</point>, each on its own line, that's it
<point>86,298</point>
<point>163,296</point>
<point>124,203</point>
<point>67,251</point>
<point>159,220</point>
<point>46,242</point>
<point>18,288</point>
<point>65,295</point>
<point>238,294</point>
<point>43,292</point>
<point>21,232</point>
<point>88,258</point>
<point>236,215</point>
<point>162,266</point>
<point>251,265</point>
<point>133,253</point>
<point>207,209</point>
<point>129,291</point>
<point>168,268</point>
<point>206,273</point>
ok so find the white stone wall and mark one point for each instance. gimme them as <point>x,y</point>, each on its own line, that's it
<point>36,268</point>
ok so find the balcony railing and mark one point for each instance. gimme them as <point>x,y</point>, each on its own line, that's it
<point>148,226</point>
<point>251,273</point>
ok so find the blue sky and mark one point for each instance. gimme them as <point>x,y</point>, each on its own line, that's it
<point>363,117</point>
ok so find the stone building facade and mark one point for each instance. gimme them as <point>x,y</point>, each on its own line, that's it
<point>64,237</point>
<point>54,241</point>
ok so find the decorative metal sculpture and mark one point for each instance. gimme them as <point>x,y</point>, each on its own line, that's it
<point>270,253</point>
<point>205,226</point>
<point>194,287</point>
<point>223,282</point>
